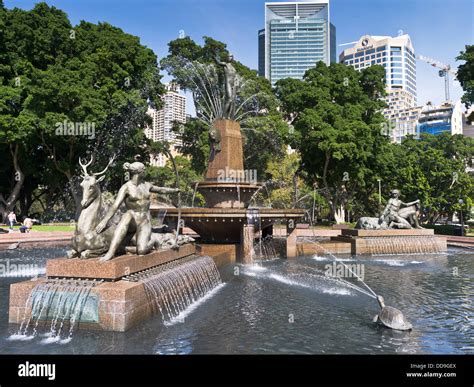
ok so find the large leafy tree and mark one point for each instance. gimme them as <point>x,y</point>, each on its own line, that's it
<point>337,120</point>
<point>263,129</point>
<point>466,76</point>
<point>433,169</point>
<point>53,74</point>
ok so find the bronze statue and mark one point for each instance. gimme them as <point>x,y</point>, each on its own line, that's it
<point>230,86</point>
<point>85,242</point>
<point>396,217</point>
<point>215,142</point>
<point>136,195</point>
<point>393,216</point>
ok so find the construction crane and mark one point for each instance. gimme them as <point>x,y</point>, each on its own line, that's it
<point>444,72</point>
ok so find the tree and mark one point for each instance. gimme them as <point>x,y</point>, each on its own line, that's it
<point>287,188</point>
<point>466,77</point>
<point>71,91</point>
<point>433,169</point>
<point>337,120</point>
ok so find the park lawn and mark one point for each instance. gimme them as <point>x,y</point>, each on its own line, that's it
<point>50,228</point>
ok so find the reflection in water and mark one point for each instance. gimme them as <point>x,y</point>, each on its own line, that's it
<point>285,306</point>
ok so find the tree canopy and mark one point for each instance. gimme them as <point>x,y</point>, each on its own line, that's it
<point>466,76</point>
<point>336,114</point>
<point>68,91</point>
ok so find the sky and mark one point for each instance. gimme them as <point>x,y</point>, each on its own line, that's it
<point>439,29</point>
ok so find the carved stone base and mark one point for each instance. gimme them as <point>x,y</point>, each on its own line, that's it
<point>379,242</point>
<point>115,305</point>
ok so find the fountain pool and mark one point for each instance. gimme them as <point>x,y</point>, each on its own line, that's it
<point>286,307</point>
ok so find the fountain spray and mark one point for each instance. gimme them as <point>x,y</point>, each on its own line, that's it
<point>388,316</point>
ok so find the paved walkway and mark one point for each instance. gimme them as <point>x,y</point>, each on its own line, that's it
<point>35,239</point>
<point>467,242</point>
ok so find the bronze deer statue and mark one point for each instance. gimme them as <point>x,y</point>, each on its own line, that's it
<point>86,243</point>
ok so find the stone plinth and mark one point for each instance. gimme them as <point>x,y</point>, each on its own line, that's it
<point>230,156</point>
<point>324,247</point>
<point>35,239</point>
<point>227,194</point>
<point>116,268</point>
<point>379,242</point>
<point>222,254</point>
<point>115,304</point>
<point>388,233</point>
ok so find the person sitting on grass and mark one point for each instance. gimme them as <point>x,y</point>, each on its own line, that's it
<point>27,225</point>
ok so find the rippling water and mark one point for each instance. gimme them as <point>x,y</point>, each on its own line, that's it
<point>287,306</point>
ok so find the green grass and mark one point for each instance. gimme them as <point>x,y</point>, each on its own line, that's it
<point>47,228</point>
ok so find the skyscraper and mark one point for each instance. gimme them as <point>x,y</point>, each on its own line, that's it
<point>173,110</point>
<point>397,56</point>
<point>261,53</point>
<point>297,35</point>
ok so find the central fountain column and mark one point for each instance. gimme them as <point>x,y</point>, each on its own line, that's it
<point>227,185</point>
<point>226,225</point>
<point>230,156</point>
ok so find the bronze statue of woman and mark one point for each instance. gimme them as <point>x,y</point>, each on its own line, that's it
<point>136,194</point>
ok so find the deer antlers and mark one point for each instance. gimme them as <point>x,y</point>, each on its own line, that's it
<point>84,166</point>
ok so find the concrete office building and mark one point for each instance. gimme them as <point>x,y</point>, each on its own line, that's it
<point>173,110</point>
<point>296,36</point>
<point>432,119</point>
<point>397,56</point>
<point>447,117</point>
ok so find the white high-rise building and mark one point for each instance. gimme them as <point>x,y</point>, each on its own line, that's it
<point>397,56</point>
<point>173,110</point>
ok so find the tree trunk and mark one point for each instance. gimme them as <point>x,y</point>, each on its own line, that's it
<point>7,205</point>
<point>76,194</point>
<point>339,214</point>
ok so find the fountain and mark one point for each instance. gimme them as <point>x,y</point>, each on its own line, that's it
<point>161,272</point>
<point>227,226</point>
<point>397,231</point>
<point>94,288</point>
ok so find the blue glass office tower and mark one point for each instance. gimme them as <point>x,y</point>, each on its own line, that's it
<point>261,53</point>
<point>297,36</point>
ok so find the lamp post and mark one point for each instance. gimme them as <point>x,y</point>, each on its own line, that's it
<point>461,202</point>
<point>380,194</point>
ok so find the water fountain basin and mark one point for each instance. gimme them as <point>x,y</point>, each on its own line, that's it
<point>227,194</point>
<point>226,225</point>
